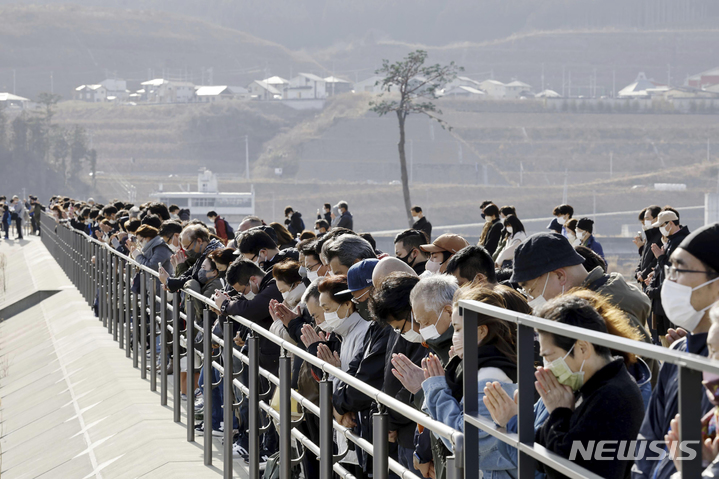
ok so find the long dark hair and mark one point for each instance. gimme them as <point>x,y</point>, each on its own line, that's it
<point>501,334</point>
<point>489,210</point>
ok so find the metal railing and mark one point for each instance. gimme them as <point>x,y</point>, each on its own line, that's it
<point>104,275</point>
<point>690,390</point>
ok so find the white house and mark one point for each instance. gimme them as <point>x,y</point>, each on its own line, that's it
<point>91,93</point>
<point>463,91</point>
<point>306,86</point>
<point>260,90</point>
<point>463,81</point>
<point>517,89</point>
<point>115,88</point>
<point>278,83</point>
<point>8,100</point>
<point>211,94</point>
<point>493,88</point>
<point>337,86</point>
<point>370,85</point>
<point>160,90</point>
<point>639,88</point>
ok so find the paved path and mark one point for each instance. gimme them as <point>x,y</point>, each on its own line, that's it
<point>72,406</point>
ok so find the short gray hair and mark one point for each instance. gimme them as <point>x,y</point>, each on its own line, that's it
<point>195,232</point>
<point>312,291</point>
<point>348,249</point>
<point>434,292</point>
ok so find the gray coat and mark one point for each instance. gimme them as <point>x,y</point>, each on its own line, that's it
<point>154,252</point>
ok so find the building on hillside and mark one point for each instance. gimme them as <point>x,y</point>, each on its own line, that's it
<point>160,90</point>
<point>8,100</point>
<point>90,93</point>
<point>704,79</point>
<point>115,88</point>
<point>231,206</point>
<point>493,88</point>
<point>463,91</point>
<point>370,85</point>
<point>547,94</point>
<point>260,90</point>
<point>306,86</point>
<point>211,94</point>
<point>518,89</point>
<point>464,81</point>
<point>337,86</point>
<point>639,88</point>
<point>239,92</point>
<point>278,83</point>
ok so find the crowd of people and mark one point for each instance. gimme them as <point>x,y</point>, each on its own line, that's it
<point>20,214</point>
<point>391,320</point>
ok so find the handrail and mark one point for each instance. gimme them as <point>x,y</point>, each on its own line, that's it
<point>112,311</point>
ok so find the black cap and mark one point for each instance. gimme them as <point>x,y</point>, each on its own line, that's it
<point>703,245</point>
<point>543,253</point>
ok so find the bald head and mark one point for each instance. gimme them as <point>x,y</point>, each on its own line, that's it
<point>388,266</point>
<point>249,222</point>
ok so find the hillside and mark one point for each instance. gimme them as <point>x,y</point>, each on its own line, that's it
<point>78,45</point>
<point>615,56</point>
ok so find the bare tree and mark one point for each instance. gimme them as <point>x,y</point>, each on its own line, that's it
<point>416,84</point>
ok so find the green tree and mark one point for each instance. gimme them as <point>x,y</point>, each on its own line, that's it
<point>415,84</point>
<point>49,100</point>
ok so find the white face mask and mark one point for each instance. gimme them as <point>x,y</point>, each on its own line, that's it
<point>509,230</point>
<point>312,275</point>
<point>458,344</point>
<point>581,234</point>
<point>316,231</point>
<point>430,332</point>
<point>332,319</point>
<point>325,327</point>
<point>249,295</point>
<point>433,266</point>
<point>285,294</point>
<point>415,218</point>
<point>539,301</point>
<point>411,335</point>
<point>664,230</point>
<point>561,220</point>
<point>677,304</point>
<point>648,224</point>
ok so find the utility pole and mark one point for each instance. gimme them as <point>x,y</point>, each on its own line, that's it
<point>521,173</point>
<point>13,81</point>
<point>614,83</point>
<point>52,84</point>
<point>563,95</point>
<point>247,157</point>
<point>708,152</point>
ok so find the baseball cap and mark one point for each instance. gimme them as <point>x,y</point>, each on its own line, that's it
<point>665,216</point>
<point>447,242</point>
<point>542,253</point>
<point>359,276</point>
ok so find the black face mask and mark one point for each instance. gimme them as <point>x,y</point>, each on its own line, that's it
<point>406,258</point>
<point>482,215</point>
<point>363,310</point>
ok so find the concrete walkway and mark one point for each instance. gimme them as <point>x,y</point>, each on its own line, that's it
<point>72,405</point>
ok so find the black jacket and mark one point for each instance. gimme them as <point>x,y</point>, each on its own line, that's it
<point>176,284</point>
<point>287,253</point>
<point>294,224</point>
<point>492,239</point>
<point>346,221</point>
<point>647,260</point>
<point>611,409</point>
<point>425,227</point>
<point>660,320</point>
<point>257,310</point>
<point>420,268</point>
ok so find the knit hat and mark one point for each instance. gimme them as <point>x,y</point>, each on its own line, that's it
<point>542,253</point>
<point>702,244</point>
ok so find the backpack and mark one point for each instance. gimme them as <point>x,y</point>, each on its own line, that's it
<point>228,229</point>
<point>272,469</point>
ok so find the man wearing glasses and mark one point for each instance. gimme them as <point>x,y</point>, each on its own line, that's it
<point>673,233</point>
<point>690,289</point>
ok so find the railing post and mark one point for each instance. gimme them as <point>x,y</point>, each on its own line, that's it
<point>176,399</point>
<point>525,407</point>
<point>471,398</point>
<point>135,327</point>
<point>285,375</point>
<point>117,333</point>
<point>380,464</point>
<point>690,434</point>
<point>143,327</point>
<point>121,302</point>
<point>128,308</point>
<point>455,468</point>
<point>153,332</point>
<point>326,459</point>
<point>254,405</point>
<point>163,346</point>
<point>103,286</point>
<point>229,400</point>
<point>207,385</point>
<point>190,392</point>
<point>111,295</point>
